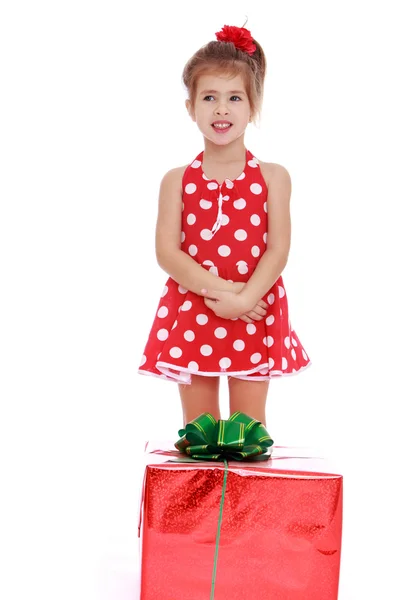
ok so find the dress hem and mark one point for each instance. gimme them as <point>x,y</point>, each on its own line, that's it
<point>176,378</point>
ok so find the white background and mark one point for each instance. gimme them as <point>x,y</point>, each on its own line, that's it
<point>92,115</point>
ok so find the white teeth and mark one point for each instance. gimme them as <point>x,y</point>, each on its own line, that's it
<point>222,126</point>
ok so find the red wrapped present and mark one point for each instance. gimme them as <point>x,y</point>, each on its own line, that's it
<point>245,530</point>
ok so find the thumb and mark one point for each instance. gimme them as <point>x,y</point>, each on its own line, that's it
<point>209,294</point>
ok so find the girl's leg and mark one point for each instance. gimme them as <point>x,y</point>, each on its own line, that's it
<point>202,395</point>
<point>248,397</point>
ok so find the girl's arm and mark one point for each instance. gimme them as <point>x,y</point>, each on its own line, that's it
<point>179,265</point>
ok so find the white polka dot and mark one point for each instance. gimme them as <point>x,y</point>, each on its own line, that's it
<point>294,342</point>
<point>287,341</point>
<point>212,185</point>
<point>175,324</point>
<point>304,355</point>
<point>220,333</point>
<point>281,291</point>
<point>205,204</point>
<point>266,207</point>
<point>239,345</point>
<point>284,363</point>
<point>270,320</point>
<point>264,371</point>
<point>175,352</point>
<point>162,312</point>
<point>224,219</point>
<point>183,236</point>
<point>182,290</point>
<point>253,163</point>
<point>240,204</point>
<point>202,319</point>
<point>196,163</point>
<point>214,270</point>
<point>162,334</point>
<point>255,251</point>
<point>271,363</point>
<point>159,355</point>
<point>229,184</point>
<point>242,267</point>
<point>242,176</point>
<point>191,219</point>
<point>256,188</point>
<point>193,366</point>
<point>189,335</point>
<point>190,188</point>
<point>224,250</point>
<point>187,305</point>
<point>271,298</point>
<point>240,235</point>
<point>143,360</point>
<point>225,362</point>
<point>225,197</point>
<point>204,176</point>
<point>255,358</point>
<point>206,234</point>
<point>293,353</point>
<point>265,237</point>
<point>268,341</point>
<point>192,250</point>
<point>251,328</point>
<point>206,350</point>
<point>255,219</point>
<point>208,262</point>
<point>165,290</point>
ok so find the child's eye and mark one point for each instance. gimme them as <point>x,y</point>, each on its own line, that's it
<point>205,98</point>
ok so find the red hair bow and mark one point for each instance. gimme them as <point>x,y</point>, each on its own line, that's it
<point>239,36</point>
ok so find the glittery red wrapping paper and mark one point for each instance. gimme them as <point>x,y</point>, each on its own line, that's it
<point>280,534</point>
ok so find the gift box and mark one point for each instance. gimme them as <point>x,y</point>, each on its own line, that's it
<point>239,530</point>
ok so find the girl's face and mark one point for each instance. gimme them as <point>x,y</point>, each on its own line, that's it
<point>220,99</point>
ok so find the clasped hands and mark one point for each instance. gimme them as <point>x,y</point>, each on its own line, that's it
<point>232,304</point>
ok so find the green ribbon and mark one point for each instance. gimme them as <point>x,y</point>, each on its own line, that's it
<point>238,438</point>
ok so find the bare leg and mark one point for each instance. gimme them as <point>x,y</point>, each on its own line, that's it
<point>248,397</point>
<point>202,395</point>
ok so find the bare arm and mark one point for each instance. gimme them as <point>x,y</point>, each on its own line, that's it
<point>178,264</point>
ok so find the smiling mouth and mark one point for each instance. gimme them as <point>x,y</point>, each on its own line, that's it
<point>221,127</point>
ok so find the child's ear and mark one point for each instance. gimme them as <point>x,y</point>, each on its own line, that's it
<point>190,109</point>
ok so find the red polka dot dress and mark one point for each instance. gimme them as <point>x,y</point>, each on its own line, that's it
<point>224,228</point>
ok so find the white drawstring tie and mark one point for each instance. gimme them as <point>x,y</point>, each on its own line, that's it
<point>218,222</point>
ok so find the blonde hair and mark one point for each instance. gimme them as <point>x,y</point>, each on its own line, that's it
<point>223,58</point>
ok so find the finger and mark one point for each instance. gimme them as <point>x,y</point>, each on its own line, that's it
<point>246,319</point>
<point>253,315</point>
<point>209,301</point>
<point>209,294</point>
<point>259,311</point>
<point>263,304</point>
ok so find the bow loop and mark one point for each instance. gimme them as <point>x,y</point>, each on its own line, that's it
<point>238,438</point>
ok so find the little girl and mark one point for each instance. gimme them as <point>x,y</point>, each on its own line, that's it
<point>223,236</point>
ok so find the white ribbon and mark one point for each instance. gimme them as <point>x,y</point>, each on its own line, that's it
<point>218,222</point>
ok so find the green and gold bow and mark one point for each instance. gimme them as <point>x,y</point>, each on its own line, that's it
<point>238,438</point>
